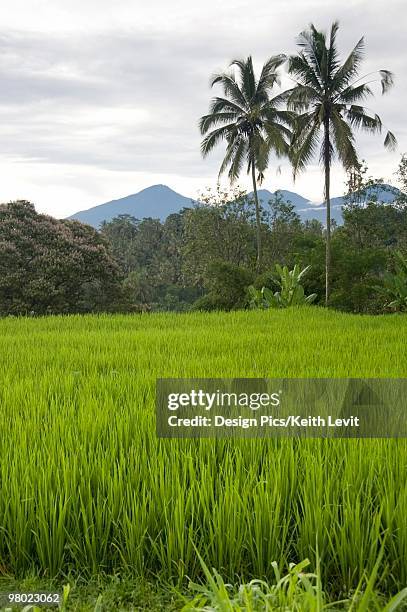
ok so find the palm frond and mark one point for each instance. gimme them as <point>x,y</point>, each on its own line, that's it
<point>303,122</point>
<point>305,142</point>
<point>278,60</point>
<point>301,97</point>
<point>352,94</point>
<point>282,118</point>
<point>219,105</point>
<point>344,141</point>
<point>358,117</point>
<point>278,137</point>
<point>230,88</point>
<point>299,67</point>
<point>247,77</point>
<point>313,44</point>
<point>332,50</point>
<point>216,136</point>
<point>386,80</point>
<point>279,99</point>
<point>390,142</point>
<point>350,67</point>
<point>269,76</point>
<point>237,158</point>
<point>209,121</point>
<point>232,147</point>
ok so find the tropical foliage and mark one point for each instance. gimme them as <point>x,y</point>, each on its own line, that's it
<point>325,107</point>
<point>250,121</point>
<point>328,98</point>
<point>291,292</point>
<point>395,285</point>
<point>182,260</point>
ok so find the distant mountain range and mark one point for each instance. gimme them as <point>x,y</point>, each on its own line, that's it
<point>159,201</point>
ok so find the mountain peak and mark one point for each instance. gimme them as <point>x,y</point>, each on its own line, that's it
<point>159,201</point>
<point>158,187</point>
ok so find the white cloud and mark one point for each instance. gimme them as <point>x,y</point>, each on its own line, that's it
<point>101,99</point>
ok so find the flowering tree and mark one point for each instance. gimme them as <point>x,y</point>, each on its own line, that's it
<point>49,266</point>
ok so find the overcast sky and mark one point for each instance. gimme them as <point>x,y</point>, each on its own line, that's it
<point>100,99</point>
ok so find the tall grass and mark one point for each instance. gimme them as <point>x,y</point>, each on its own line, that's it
<point>86,486</point>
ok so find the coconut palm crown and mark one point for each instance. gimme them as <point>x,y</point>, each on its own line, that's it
<point>250,122</point>
<point>328,98</point>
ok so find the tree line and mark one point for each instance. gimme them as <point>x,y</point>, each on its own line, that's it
<point>204,257</point>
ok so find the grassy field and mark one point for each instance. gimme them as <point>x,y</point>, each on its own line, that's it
<point>86,488</point>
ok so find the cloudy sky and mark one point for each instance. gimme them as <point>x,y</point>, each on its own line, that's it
<point>100,99</point>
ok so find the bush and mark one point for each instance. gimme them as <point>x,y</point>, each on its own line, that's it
<point>291,292</point>
<point>395,285</point>
<point>227,285</point>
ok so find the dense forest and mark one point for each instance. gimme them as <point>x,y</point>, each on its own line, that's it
<point>203,257</point>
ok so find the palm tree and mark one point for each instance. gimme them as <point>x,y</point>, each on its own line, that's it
<point>250,122</point>
<point>327,97</point>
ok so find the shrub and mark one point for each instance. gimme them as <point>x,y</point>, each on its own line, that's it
<point>395,285</point>
<point>291,291</point>
<point>227,286</point>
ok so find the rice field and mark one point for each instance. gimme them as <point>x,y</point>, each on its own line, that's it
<point>87,488</point>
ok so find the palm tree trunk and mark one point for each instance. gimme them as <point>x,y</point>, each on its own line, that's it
<point>327,169</point>
<point>258,225</point>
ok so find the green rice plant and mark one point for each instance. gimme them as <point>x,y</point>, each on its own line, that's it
<point>87,488</point>
<point>295,591</point>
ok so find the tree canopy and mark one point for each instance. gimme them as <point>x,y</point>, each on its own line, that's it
<point>50,266</point>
